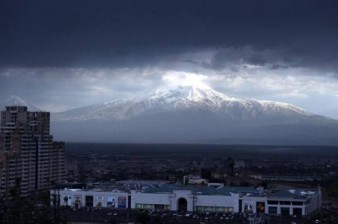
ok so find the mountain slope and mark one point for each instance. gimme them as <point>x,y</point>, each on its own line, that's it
<point>180,99</point>
<point>194,115</point>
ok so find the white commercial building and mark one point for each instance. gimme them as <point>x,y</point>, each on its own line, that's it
<point>293,202</point>
<point>198,199</point>
<point>186,198</point>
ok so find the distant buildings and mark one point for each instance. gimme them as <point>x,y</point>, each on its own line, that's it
<point>29,159</point>
<point>191,179</point>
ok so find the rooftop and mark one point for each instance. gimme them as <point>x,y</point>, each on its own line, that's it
<point>292,193</point>
<point>203,190</point>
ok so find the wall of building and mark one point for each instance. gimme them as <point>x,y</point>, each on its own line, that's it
<point>217,203</point>
<point>151,201</point>
<point>290,206</point>
<point>82,198</point>
<point>184,194</point>
<point>192,202</point>
<point>202,203</point>
<point>254,204</point>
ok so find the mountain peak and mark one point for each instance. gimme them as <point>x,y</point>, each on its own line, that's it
<point>189,93</point>
<point>188,114</point>
<point>183,98</point>
<point>14,100</point>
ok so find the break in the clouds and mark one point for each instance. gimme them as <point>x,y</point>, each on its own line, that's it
<point>64,89</point>
<point>69,53</point>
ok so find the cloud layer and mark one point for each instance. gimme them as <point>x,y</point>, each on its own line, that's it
<point>69,53</point>
<point>125,33</point>
<point>60,89</point>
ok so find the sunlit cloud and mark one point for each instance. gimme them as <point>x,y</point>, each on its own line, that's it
<point>68,88</point>
<point>175,78</point>
<point>98,90</point>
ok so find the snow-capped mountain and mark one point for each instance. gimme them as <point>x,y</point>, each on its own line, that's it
<point>182,98</point>
<point>18,101</point>
<point>194,115</point>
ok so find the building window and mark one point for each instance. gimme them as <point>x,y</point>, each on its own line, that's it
<point>297,212</point>
<point>273,202</point>
<point>297,203</point>
<point>285,202</point>
<point>260,207</point>
<point>272,210</point>
<point>285,211</point>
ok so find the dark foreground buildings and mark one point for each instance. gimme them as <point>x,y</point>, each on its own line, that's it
<point>30,160</point>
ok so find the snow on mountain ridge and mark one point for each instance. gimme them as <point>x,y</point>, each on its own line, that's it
<point>194,115</point>
<point>208,97</point>
<point>18,101</point>
<point>178,99</point>
<point>268,103</point>
<point>183,95</point>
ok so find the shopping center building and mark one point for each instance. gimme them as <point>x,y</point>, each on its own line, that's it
<point>197,199</point>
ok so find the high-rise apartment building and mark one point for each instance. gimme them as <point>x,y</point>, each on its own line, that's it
<point>28,153</point>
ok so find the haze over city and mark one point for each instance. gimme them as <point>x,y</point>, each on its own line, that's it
<point>60,55</point>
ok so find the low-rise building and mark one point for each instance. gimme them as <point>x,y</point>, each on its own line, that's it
<point>198,199</point>
<point>185,198</point>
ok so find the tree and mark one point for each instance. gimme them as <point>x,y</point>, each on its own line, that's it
<point>143,217</point>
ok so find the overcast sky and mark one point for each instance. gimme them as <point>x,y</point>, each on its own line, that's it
<point>64,54</point>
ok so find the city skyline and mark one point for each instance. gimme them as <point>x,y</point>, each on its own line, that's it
<point>67,54</point>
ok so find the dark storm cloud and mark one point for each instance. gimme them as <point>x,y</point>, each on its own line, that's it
<point>127,33</point>
<point>236,58</point>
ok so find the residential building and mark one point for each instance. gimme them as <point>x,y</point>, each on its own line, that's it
<point>29,159</point>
